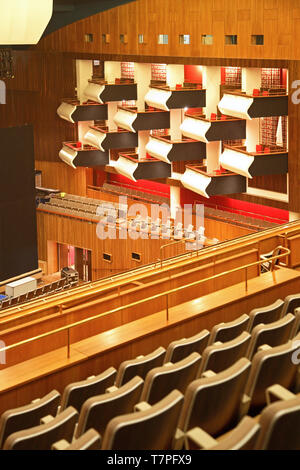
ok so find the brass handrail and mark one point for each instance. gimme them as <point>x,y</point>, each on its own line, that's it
<point>182,240</point>
<point>153,297</point>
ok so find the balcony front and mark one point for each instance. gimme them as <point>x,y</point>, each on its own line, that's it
<point>169,151</point>
<point>197,179</point>
<point>267,160</point>
<point>104,139</point>
<point>75,154</point>
<point>213,129</point>
<point>150,168</point>
<point>133,120</point>
<point>256,105</point>
<point>72,111</point>
<point>166,98</point>
<point>102,92</point>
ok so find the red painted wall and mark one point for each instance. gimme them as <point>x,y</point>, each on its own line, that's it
<point>146,186</point>
<point>193,73</point>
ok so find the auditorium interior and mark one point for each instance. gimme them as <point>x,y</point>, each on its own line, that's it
<point>150,225</point>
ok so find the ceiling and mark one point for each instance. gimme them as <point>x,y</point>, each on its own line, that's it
<point>68,11</point>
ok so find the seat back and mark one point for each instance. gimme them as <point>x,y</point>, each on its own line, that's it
<point>227,331</point>
<point>291,302</point>
<point>152,429</point>
<point>296,327</point>
<point>280,424</point>
<point>267,314</point>
<point>28,416</point>
<point>213,403</point>
<point>269,367</point>
<point>273,334</point>
<point>139,366</point>
<point>77,393</point>
<point>162,380</point>
<point>218,357</point>
<point>182,348</point>
<point>97,411</point>
<point>42,437</point>
<point>90,440</point>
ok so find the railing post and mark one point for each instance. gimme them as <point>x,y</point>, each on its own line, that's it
<point>68,345</point>
<point>167,306</point>
<point>246,279</point>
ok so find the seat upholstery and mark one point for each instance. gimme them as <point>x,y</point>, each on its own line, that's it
<point>273,334</point>
<point>182,348</point>
<point>218,357</point>
<point>139,366</point>
<point>43,437</point>
<point>97,411</point>
<point>162,380</point>
<point>28,416</point>
<point>213,403</point>
<point>227,331</point>
<point>76,393</point>
<point>152,429</point>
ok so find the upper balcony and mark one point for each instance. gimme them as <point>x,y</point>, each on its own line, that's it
<point>258,104</point>
<point>103,139</point>
<point>132,167</point>
<point>212,129</point>
<point>102,92</point>
<point>207,184</point>
<point>75,154</point>
<point>267,160</point>
<point>169,151</point>
<point>71,110</point>
<point>166,98</point>
<point>133,120</point>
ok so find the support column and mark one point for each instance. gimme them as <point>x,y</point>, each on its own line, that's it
<point>143,138</point>
<point>213,152</point>
<point>142,76</point>
<point>251,79</point>
<point>175,75</point>
<point>84,72</point>
<point>174,200</point>
<point>175,122</point>
<point>211,82</point>
<point>112,70</point>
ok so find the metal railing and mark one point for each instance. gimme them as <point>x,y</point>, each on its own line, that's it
<point>281,252</point>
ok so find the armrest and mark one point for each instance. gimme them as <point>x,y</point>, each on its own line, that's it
<point>111,389</point>
<point>264,347</point>
<point>244,405</point>
<point>46,419</point>
<point>278,392</point>
<point>91,377</point>
<point>36,400</point>
<point>208,373</point>
<point>200,438</point>
<point>142,406</point>
<point>60,445</point>
<point>178,440</point>
<point>168,364</point>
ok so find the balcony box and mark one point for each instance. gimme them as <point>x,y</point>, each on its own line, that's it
<point>251,164</point>
<point>244,106</point>
<point>207,130</point>
<point>166,98</point>
<point>147,169</point>
<point>170,151</point>
<point>134,121</point>
<point>73,111</point>
<point>105,140</point>
<point>105,93</point>
<point>82,156</point>
<point>198,180</point>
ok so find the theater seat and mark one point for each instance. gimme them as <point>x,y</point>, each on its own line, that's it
<point>28,416</point>
<point>214,402</point>
<point>296,328</point>
<point>90,440</point>
<point>181,348</point>
<point>97,411</point>
<point>272,334</point>
<point>77,393</point>
<point>272,366</point>
<point>291,302</point>
<point>42,437</point>
<point>139,366</point>
<point>220,356</point>
<point>228,331</point>
<point>162,380</point>
<point>266,314</point>
<point>152,429</point>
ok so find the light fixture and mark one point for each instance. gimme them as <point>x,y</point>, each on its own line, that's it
<point>24,21</point>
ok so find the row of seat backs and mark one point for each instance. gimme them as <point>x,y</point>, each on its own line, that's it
<point>212,402</point>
